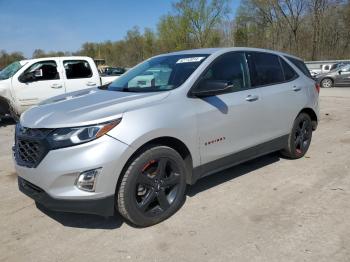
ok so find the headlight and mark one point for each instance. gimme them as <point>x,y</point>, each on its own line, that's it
<point>65,137</point>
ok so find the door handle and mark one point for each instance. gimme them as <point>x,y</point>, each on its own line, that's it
<point>90,84</point>
<point>251,98</point>
<point>296,88</point>
<point>56,86</point>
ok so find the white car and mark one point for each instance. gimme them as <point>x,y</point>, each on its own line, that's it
<point>26,83</point>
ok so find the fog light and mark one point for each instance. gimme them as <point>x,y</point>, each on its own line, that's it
<point>87,180</point>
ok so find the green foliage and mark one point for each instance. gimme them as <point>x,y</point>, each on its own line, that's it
<point>8,58</point>
<point>311,29</point>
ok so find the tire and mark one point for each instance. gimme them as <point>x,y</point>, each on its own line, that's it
<point>327,83</point>
<point>300,137</point>
<point>152,187</point>
<point>13,114</point>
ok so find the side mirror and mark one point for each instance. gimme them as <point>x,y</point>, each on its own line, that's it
<point>31,76</point>
<point>38,73</point>
<point>207,88</point>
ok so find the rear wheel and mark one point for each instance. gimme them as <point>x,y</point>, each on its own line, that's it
<point>152,187</point>
<point>327,83</point>
<point>300,137</point>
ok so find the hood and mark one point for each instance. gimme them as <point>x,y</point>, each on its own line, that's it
<point>86,107</point>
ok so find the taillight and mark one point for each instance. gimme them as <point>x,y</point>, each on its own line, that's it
<point>317,86</point>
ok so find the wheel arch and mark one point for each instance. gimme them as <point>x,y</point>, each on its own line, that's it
<point>169,141</point>
<point>313,116</point>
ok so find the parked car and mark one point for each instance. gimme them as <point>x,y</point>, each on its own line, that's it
<point>26,83</point>
<point>337,77</point>
<point>136,145</point>
<point>313,73</point>
<point>114,71</point>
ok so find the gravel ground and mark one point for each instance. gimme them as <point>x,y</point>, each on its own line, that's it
<point>269,209</point>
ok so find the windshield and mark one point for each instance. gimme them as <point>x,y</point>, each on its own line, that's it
<point>158,74</point>
<point>10,70</point>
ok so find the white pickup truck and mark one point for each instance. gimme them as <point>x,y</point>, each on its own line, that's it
<point>26,83</point>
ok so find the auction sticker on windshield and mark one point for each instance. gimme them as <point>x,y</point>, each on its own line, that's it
<point>190,60</point>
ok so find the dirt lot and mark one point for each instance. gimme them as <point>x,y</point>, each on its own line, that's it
<point>269,209</point>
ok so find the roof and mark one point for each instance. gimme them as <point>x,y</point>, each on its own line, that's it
<point>55,57</point>
<point>210,51</point>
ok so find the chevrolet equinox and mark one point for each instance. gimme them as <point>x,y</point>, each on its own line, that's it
<point>134,145</point>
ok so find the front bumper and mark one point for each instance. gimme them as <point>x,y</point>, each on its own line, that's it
<point>52,182</point>
<point>102,207</point>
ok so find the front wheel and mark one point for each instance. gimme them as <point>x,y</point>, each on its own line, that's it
<point>153,186</point>
<point>300,137</point>
<point>327,83</point>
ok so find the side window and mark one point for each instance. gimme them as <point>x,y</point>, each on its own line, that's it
<point>77,69</point>
<point>289,73</point>
<point>41,71</point>
<point>230,67</point>
<point>346,69</point>
<point>300,65</point>
<point>265,69</point>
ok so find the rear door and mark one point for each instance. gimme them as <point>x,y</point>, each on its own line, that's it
<point>228,123</point>
<point>283,93</point>
<point>48,82</point>
<point>80,74</point>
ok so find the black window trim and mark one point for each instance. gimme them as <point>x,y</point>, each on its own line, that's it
<point>20,76</point>
<point>75,60</point>
<point>296,76</point>
<point>288,57</point>
<point>249,86</point>
<point>278,83</point>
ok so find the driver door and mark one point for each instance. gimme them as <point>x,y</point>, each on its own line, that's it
<point>40,81</point>
<point>344,75</point>
<point>230,122</point>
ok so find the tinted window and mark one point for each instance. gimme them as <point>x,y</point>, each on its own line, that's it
<point>300,65</point>
<point>231,68</point>
<point>44,70</point>
<point>288,71</point>
<point>265,69</point>
<point>77,69</point>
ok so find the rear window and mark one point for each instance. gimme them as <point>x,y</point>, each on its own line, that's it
<point>77,69</point>
<point>300,65</point>
<point>289,73</point>
<point>264,68</point>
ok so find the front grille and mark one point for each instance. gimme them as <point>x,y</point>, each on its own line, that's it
<point>31,146</point>
<point>29,152</point>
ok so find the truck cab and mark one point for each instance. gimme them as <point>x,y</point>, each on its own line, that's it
<point>26,83</point>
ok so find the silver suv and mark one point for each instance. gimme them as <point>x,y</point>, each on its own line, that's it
<point>171,120</point>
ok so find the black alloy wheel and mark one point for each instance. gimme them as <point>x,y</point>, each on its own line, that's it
<point>152,187</point>
<point>302,136</point>
<point>157,186</point>
<point>299,139</point>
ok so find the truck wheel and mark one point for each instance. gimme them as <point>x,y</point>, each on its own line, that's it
<point>13,114</point>
<point>327,83</point>
<point>300,137</point>
<point>153,186</point>
<point>4,108</point>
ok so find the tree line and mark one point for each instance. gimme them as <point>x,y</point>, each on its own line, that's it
<point>310,29</point>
